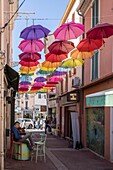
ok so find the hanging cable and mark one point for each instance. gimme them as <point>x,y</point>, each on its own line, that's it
<point>5,25</point>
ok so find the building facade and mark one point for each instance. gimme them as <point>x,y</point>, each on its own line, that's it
<point>6,9</point>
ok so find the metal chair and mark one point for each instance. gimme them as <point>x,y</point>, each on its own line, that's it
<point>40,147</point>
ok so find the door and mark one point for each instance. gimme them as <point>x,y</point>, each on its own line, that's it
<point>111,134</point>
<point>75,128</point>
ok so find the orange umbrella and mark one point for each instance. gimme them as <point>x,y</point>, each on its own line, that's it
<point>76,54</point>
<point>49,64</point>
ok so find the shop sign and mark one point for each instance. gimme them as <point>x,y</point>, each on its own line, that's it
<point>73,96</point>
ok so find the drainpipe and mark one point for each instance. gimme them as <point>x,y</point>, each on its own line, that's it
<point>82,90</point>
<point>2,93</point>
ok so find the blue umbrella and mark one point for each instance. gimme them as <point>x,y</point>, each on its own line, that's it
<point>25,78</point>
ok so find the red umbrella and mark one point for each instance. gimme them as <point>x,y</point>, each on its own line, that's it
<point>55,58</point>
<point>30,56</point>
<point>50,85</point>
<point>87,45</point>
<point>70,30</point>
<point>61,47</point>
<point>31,46</point>
<point>28,64</point>
<point>100,31</point>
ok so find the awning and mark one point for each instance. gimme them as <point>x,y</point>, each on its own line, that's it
<point>12,77</point>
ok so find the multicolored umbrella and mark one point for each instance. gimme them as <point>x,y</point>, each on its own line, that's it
<point>76,54</point>
<point>28,64</point>
<point>61,47</point>
<point>31,46</point>
<point>70,62</point>
<point>100,31</point>
<point>34,32</point>
<point>30,57</point>
<point>40,79</point>
<point>87,45</point>
<point>55,58</point>
<point>25,83</point>
<point>70,30</point>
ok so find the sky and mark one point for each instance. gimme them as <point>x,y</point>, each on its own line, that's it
<point>48,13</point>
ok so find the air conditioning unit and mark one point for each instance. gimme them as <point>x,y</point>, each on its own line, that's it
<point>76,82</point>
<point>11,1</point>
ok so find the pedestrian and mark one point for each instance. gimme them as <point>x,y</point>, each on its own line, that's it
<point>47,126</point>
<point>22,138</point>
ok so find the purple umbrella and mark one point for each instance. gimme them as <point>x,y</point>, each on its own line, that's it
<point>34,32</point>
<point>40,79</point>
<point>58,73</point>
<point>24,83</point>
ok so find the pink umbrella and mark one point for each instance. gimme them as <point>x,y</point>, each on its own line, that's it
<point>38,84</point>
<point>55,79</point>
<point>31,46</point>
<point>30,56</point>
<point>70,30</point>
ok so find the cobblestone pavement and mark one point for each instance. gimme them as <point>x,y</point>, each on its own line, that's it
<point>60,157</point>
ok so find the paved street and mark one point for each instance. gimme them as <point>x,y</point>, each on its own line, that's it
<point>60,157</point>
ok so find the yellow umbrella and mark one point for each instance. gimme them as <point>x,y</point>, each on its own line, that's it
<point>47,69</point>
<point>43,90</point>
<point>76,54</point>
<point>49,64</point>
<point>70,62</point>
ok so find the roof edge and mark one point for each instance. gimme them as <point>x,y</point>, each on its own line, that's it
<point>67,11</point>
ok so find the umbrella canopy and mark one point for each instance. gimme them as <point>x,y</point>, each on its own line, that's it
<point>31,46</point>
<point>40,79</point>
<point>76,54</point>
<point>43,90</point>
<point>42,72</point>
<point>28,64</point>
<point>70,30</point>
<point>47,69</point>
<point>49,64</point>
<point>25,78</point>
<point>34,32</point>
<point>55,58</point>
<point>87,45</point>
<point>38,84</point>
<point>58,73</point>
<point>73,62</point>
<point>24,83</point>
<point>30,57</point>
<point>55,79</point>
<point>63,68</point>
<point>50,85</point>
<point>104,30</point>
<point>27,70</point>
<point>61,47</point>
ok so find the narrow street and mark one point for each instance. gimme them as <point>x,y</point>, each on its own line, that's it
<point>60,157</point>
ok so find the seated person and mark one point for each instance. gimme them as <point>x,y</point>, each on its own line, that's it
<point>22,138</point>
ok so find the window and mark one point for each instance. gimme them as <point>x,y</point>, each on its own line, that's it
<point>39,96</point>
<point>44,96</point>
<point>26,96</point>
<point>18,103</point>
<point>95,12</point>
<point>26,105</point>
